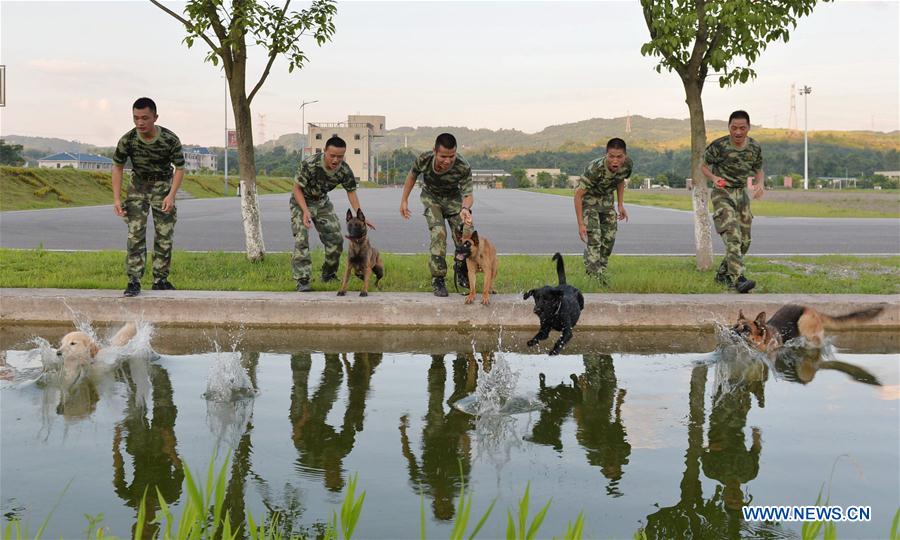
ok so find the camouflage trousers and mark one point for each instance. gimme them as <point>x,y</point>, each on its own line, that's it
<point>438,209</point>
<point>732,218</point>
<point>329,228</point>
<point>601,222</point>
<point>140,201</point>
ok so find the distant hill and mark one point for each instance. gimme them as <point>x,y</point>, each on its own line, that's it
<point>649,133</point>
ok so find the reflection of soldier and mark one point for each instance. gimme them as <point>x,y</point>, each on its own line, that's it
<point>320,445</point>
<point>693,516</point>
<point>599,418</point>
<point>446,446</point>
<point>152,446</point>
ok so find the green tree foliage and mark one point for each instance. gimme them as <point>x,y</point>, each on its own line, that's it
<point>544,179</point>
<point>10,154</point>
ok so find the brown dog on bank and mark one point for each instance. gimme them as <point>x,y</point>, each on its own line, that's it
<point>793,321</point>
<point>363,259</point>
<point>480,256</point>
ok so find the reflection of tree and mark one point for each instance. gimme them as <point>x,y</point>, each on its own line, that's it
<point>596,403</point>
<point>240,460</point>
<point>446,446</point>
<point>727,460</point>
<point>151,443</point>
<point>321,447</point>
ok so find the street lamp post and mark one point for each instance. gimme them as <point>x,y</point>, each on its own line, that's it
<point>805,91</point>
<point>303,126</point>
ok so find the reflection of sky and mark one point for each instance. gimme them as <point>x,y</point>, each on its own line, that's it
<point>804,429</point>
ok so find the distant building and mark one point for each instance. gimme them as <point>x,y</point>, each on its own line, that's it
<point>76,160</point>
<point>199,157</point>
<point>488,178</point>
<point>358,132</point>
<point>533,173</point>
<point>893,175</point>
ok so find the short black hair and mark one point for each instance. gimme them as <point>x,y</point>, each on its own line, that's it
<point>617,144</point>
<point>145,103</point>
<point>739,114</point>
<point>336,142</point>
<point>445,140</point>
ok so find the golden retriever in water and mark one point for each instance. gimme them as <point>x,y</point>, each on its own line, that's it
<point>78,350</point>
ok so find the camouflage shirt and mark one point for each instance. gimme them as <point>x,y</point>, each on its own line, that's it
<point>455,182</point>
<point>733,164</point>
<point>152,159</point>
<point>315,180</point>
<point>599,182</point>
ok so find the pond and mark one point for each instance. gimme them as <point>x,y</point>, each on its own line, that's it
<point>664,431</point>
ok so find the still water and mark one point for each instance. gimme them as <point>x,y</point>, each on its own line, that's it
<point>672,442</point>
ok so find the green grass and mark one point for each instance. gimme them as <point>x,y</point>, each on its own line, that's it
<point>760,207</point>
<point>408,273</point>
<point>33,188</point>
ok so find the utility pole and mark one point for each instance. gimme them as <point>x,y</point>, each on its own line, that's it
<point>805,91</point>
<point>303,105</point>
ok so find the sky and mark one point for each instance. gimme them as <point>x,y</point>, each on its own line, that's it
<point>74,68</point>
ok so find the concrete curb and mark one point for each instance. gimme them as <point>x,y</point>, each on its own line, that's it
<point>409,310</point>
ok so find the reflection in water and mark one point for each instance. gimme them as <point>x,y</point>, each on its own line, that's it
<point>150,443</point>
<point>595,402</point>
<point>320,446</point>
<point>800,364</point>
<point>446,460</point>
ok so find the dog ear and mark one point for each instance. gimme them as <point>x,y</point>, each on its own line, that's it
<point>761,319</point>
<point>360,215</point>
<point>475,237</point>
<point>528,294</point>
<point>741,316</point>
<point>349,214</point>
<point>94,349</point>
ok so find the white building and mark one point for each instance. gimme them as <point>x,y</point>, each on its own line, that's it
<point>199,157</point>
<point>358,132</point>
<point>488,178</point>
<point>76,160</point>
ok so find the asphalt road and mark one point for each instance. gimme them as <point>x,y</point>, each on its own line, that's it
<point>516,221</point>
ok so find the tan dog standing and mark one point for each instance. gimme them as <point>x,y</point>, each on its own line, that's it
<point>362,259</point>
<point>480,256</point>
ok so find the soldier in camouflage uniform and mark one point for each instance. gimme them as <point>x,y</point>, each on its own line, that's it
<point>153,151</point>
<point>446,195</point>
<point>310,205</point>
<point>730,162</point>
<point>597,219</point>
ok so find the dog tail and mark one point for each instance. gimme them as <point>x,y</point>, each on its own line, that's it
<point>851,318</point>
<point>124,335</point>
<point>560,269</point>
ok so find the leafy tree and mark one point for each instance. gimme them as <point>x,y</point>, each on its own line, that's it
<point>562,180</point>
<point>544,179</point>
<point>521,178</point>
<point>692,36</point>
<point>10,154</point>
<point>226,26</point>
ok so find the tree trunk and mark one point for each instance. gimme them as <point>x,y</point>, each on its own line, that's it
<point>700,193</point>
<point>253,237</point>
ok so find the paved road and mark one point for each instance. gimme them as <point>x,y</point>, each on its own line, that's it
<point>516,221</point>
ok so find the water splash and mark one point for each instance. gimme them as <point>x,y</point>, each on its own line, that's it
<point>228,380</point>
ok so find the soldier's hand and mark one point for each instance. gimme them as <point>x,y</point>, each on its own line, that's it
<point>117,208</point>
<point>307,220</point>
<point>757,190</point>
<point>720,182</point>
<point>623,214</point>
<point>404,210</point>
<point>466,216</point>
<point>168,203</point>
<point>582,232</point>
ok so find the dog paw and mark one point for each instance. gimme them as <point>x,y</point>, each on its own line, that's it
<point>485,301</point>
<point>470,299</point>
<point>342,293</point>
<point>553,352</point>
<point>532,342</point>
<point>364,293</point>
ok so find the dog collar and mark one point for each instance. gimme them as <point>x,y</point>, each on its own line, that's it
<point>357,240</point>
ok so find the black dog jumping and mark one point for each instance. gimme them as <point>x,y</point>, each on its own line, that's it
<point>558,308</point>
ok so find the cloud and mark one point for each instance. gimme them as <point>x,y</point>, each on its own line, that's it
<point>84,104</point>
<point>67,67</point>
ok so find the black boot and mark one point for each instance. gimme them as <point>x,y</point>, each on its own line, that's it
<point>162,285</point>
<point>437,284</point>
<point>744,285</point>
<point>327,278</point>
<point>461,274</point>
<point>133,288</point>
<point>722,275</point>
<point>303,285</point>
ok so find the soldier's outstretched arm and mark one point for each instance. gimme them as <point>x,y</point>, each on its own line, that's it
<point>404,199</point>
<point>117,189</point>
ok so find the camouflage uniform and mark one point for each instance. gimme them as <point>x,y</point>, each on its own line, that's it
<point>151,180</point>
<point>731,204</point>
<point>599,213</point>
<point>442,195</point>
<point>315,181</point>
